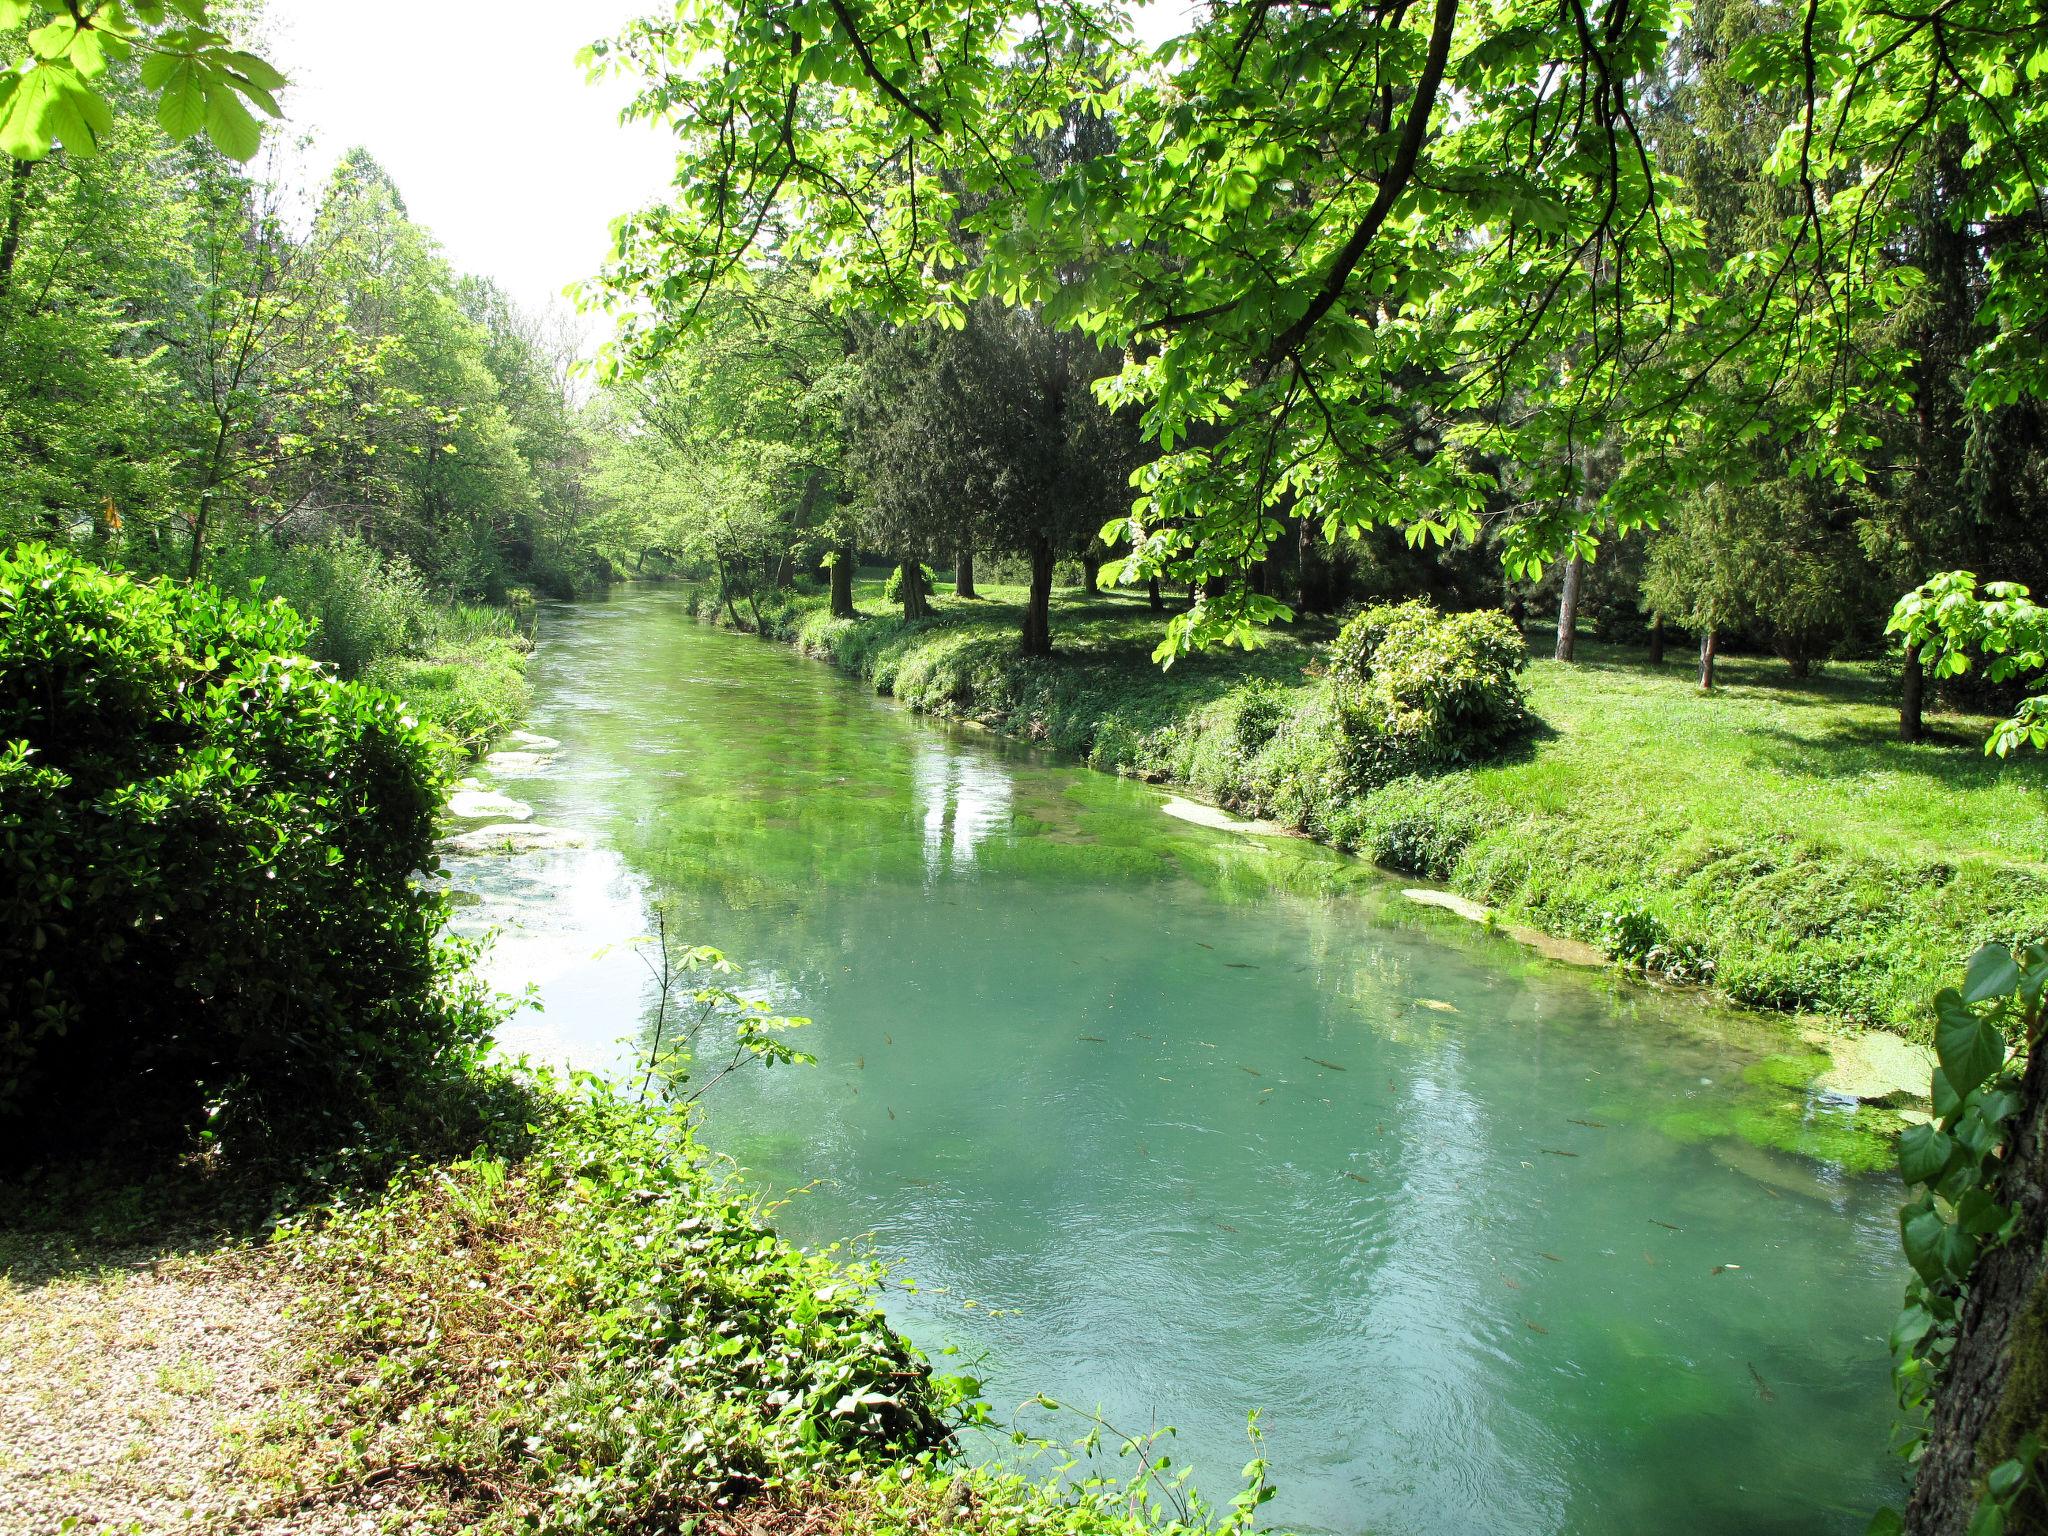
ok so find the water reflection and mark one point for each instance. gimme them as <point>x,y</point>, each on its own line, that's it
<point>963,797</point>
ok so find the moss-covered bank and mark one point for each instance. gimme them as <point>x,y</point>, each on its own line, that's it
<point>1767,840</point>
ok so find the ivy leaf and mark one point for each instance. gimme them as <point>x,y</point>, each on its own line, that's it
<point>1993,973</point>
<point>1885,1522</point>
<point>1970,1048</point>
<point>1921,1230</point>
<point>1989,1519</point>
<point>1947,1102</point>
<point>1914,1324</point>
<point>1923,1152</point>
<point>1980,1215</point>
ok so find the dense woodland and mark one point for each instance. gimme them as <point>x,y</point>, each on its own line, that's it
<point>1724,321</point>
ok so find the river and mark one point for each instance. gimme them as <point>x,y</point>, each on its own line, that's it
<point>1175,1122</point>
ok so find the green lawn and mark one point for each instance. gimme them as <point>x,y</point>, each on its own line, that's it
<point>1817,758</point>
<point>1773,836</point>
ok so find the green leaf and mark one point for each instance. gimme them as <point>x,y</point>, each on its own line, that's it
<point>1947,1102</point>
<point>1885,1522</point>
<point>2004,1479</point>
<point>54,39</point>
<point>1923,1152</point>
<point>1993,973</point>
<point>181,109</point>
<point>13,12</point>
<point>1922,1230</point>
<point>1970,1048</point>
<point>230,125</point>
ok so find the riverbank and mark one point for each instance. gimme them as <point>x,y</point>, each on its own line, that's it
<point>1771,840</point>
<point>586,1321</point>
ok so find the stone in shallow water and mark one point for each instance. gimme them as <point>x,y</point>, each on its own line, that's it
<point>486,805</point>
<point>1209,816</point>
<point>1450,901</point>
<point>515,837</point>
<point>1876,1068</point>
<point>532,741</point>
<point>514,763</point>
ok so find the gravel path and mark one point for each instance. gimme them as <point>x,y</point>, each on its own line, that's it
<point>119,1382</point>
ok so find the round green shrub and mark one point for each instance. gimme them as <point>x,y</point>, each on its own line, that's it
<point>209,916</point>
<point>1419,689</point>
<point>892,589</point>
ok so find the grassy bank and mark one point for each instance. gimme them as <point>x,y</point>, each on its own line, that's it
<point>466,678</point>
<point>585,1325</point>
<point>1772,839</point>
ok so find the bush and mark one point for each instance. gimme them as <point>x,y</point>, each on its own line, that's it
<point>366,605</point>
<point>1419,689</point>
<point>892,589</point>
<point>207,854</point>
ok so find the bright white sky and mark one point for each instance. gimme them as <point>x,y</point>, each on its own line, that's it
<point>479,111</point>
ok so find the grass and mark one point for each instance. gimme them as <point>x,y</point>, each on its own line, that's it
<point>1773,838</point>
<point>468,679</point>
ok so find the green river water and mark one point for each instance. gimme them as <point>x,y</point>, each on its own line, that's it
<point>1178,1122</point>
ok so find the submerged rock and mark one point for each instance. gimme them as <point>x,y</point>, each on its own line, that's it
<point>486,805</point>
<point>1876,1068</point>
<point>515,837</point>
<point>1450,901</point>
<point>514,763</point>
<point>1209,816</point>
<point>1549,945</point>
<point>532,741</point>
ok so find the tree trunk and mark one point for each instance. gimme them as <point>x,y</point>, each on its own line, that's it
<point>1994,1390</point>
<point>1091,572</point>
<point>1262,578</point>
<point>1709,642</point>
<point>963,573</point>
<point>842,582</point>
<point>17,207</point>
<point>725,588</point>
<point>910,588</point>
<point>1154,597</point>
<point>785,566</point>
<point>1038,608</point>
<point>1657,640</point>
<point>1568,608</point>
<point>1912,697</point>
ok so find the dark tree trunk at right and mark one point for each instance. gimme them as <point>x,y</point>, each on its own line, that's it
<point>1994,1390</point>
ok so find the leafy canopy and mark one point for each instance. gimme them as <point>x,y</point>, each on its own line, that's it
<point>54,93</point>
<point>1364,264</point>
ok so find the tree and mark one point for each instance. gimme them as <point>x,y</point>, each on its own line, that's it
<point>989,437</point>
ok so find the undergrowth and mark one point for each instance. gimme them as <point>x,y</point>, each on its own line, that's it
<point>598,1332</point>
<point>1769,840</point>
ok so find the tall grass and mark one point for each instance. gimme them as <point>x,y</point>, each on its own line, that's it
<point>460,666</point>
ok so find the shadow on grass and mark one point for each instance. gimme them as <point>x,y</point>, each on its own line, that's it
<point>64,1218</point>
